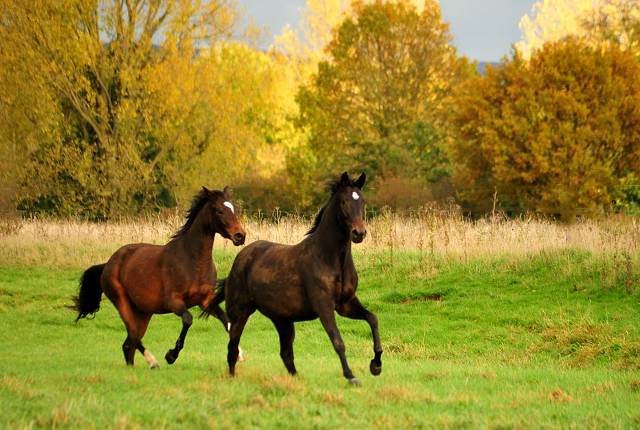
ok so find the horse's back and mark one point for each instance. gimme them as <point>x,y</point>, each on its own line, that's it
<point>265,259</point>
<point>135,259</point>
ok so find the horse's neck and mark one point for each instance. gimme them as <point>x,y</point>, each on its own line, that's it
<point>198,240</point>
<point>330,237</point>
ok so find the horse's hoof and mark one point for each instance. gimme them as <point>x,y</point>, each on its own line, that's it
<point>170,358</point>
<point>375,369</point>
<point>354,381</point>
<point>155,366</point>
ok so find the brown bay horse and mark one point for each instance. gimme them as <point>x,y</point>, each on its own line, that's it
<point>142,279</point>
<point>313,279</point>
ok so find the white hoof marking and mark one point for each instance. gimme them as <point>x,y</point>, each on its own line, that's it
<point>151,359</point>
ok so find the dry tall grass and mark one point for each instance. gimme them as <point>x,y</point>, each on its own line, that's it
<point>432,229</point>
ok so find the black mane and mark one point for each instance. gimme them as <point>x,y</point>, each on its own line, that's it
<point>333,187</point>
<point>199,201</point>
<point>316,222</point>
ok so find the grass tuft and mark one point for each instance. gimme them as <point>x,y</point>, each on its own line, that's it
<point>580,343</point>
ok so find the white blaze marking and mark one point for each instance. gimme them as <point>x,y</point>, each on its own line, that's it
<point>230,206</point>
<point>355,196</point>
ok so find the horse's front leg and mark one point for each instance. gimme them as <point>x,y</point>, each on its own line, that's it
<point>355,310</point>
<point>187,320</point>
<point>328,318</point>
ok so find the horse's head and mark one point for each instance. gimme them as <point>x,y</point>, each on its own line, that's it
<point>351,201</point>
<point>223,216</point>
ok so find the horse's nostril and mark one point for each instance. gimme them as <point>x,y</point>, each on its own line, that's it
<point>239,237</point>
<point>357,235</point>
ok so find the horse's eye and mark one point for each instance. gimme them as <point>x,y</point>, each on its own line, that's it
<point>220,211</point>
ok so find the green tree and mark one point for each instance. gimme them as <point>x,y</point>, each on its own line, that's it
<point>559,133</point>
<point>378,104</point>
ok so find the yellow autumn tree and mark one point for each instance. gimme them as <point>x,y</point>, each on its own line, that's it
<point>596,21</point>
<point>116,106</point>
<point>614,21</point>
<point>250,116</point>
<point>307,44</point>
<point>552,20</point>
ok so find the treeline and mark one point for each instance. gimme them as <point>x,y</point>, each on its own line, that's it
<point>111,107</point>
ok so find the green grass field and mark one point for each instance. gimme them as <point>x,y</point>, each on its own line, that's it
<point>549,340</point>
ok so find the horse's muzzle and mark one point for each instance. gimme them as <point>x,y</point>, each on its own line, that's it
<point>238,238</point>
<point>358,234</point>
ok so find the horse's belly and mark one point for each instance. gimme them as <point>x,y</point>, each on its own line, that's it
<point>285,303</point>
<point>289,313</point>
<point>200,295</point>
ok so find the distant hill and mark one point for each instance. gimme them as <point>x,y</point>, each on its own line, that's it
<point>483,64</point>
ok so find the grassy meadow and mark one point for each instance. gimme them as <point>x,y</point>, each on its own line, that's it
<point>489,324</point>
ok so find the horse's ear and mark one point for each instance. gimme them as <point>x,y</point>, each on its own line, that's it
<point>360,181</point>
<point>344,180</point>
<point>207,191</point>
<point>227,193</point>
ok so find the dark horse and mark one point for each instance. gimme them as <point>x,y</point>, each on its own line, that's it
<point>289,283</point>
<point>143,279</point>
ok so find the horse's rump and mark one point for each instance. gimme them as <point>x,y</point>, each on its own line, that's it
<point>137,266</point>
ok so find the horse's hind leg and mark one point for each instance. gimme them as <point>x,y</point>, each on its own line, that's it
<point>136,324</point>
<point>238,321</point>
<point>187,320</point>
<point>355,310</point>
<point>224,318</point>
<point>287,333</point>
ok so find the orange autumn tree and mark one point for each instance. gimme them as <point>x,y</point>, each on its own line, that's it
<point>558,134</point>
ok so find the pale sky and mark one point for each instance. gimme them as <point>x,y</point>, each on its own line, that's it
<point>483,30</point>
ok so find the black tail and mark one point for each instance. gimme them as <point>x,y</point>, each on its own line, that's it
<point>88,299</point>
<point>219,298</point>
